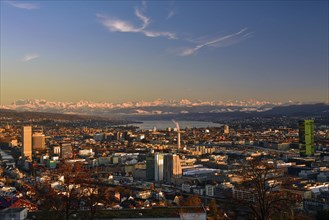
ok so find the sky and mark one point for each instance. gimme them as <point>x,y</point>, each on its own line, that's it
<point>118,51</point>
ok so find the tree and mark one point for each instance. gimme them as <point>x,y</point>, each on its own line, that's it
<point>90,198</point>
<point>123,191</point>
<point>193,200</point>
<point>65,198</point>
<point>93,196</point>
<point>108,196</point>
<point>49,202</point>
<point>262,181</point>
<point>73,174</point>
<point>213,208</point>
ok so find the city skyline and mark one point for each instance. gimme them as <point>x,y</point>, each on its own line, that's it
<point>132,51</point>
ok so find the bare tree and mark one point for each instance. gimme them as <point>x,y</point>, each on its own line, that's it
<point>193,200</point>
<point>94,196</point>
<point>91,198</point>
<point>49,202</point>
<point>65,198</point>
<point>261,182</point>
<point>213,208</point>
<point>73,174</point>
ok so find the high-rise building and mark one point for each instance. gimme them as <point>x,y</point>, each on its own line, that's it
<point>226,129</point>
<point>306,137</point>
<point>66,150</point>
<point>150,170</point>
<point>118,136</point>
<point>38,141</point>
<point>154,167</point>
<point>158,167</point>
<point>27,142</point>
<point>168,166</point>
<point>172,167</point>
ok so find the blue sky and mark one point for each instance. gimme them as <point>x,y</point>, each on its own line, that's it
<point>143,50</point>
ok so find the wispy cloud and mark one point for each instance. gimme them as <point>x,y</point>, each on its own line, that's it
<point>170,14</point>
<point>29,57</point>
<point>217,42</point>
<point>168,35</point>
<point>118,25</point>
<point>172,10</point>
<point>24,5</point>
<point>143,18</point>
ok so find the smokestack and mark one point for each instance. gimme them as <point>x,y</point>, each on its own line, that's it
<point>178,133</point>
<point>178,139</point>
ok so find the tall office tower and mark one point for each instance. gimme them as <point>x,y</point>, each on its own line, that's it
<point>150,169</point>
<point>226,129</point>
<point>306,137</point>
<point>118,136</point>
<point>177,168</point>
<point>27,142</point>
<point>38,141</point>
<point>172,167</point>
<point>158,167</point>
<point>168,167</point>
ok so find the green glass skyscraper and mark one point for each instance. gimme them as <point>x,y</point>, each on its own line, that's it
<point>306,137</point>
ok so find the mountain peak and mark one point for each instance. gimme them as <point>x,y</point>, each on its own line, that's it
<point>158,105</point>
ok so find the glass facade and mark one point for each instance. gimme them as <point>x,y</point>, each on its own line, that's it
<point>306,137</point>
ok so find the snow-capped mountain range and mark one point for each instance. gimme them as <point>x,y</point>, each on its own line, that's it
<point>159,106</point>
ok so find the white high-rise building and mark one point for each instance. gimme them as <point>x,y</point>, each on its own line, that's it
<point>27,142</point>
<point>158,167</point>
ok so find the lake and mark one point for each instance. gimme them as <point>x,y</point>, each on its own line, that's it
<point>162,125</point>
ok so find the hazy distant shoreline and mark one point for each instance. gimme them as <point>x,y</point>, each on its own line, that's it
<point>164,124</point>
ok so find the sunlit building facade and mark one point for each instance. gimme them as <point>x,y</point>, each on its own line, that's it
<point>172,167</point>
<point>27,142</point>
<point>306,137</point>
